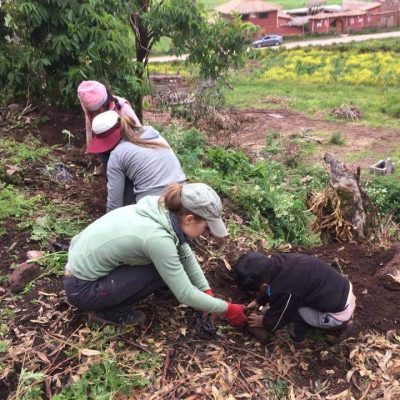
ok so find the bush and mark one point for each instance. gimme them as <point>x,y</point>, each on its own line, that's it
<point>337,139</point>
<point>384,193</point>
<point>54,46</point>
<point>374,66</point>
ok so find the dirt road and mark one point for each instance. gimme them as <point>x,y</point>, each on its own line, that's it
<point>302,43</point>
<point>340,39</point>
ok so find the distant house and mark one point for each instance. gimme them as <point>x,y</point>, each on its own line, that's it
<point>267,16</point>
<point>351,16</point>
<point>357,15</point>
<point>304,11</point>
<point>340,22</point>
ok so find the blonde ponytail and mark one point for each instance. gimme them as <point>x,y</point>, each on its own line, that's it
<point>131,133</point>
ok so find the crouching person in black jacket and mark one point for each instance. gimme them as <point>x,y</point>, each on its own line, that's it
<point>301,290</point>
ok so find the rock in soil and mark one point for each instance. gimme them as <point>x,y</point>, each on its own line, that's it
<point>23,274</point>
<point>2,290</point>
<point>33,254</point>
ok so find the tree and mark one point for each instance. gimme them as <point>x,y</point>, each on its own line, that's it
<point>214,46</point>
<point>52,45</point>
<point>55,44</point>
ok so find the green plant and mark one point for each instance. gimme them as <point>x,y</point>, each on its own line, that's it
<point>57,44</point>
<point>272,209</point>
<point>337,139</point>
<point>148,361</point>
<point>14,203</point>
<point>279,388</point>
<point>272,144</point>
<point>189,145</point>
<point>391,106</point>
<point>291,154</point>
<point>28,287</point>
<point>22,154</point>
<point>29,385</point>
<point>3,346</point>
<point>5,315</point>
<point>55,220</point>
<point>384,193</point>
<point>103,381</point>
<point>215,48</point>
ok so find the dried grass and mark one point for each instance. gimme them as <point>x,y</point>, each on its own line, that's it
<point>329,216</point>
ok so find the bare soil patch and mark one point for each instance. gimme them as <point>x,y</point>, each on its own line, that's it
<point>254,125</point>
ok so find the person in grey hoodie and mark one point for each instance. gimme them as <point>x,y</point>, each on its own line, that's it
<point>140,163</point>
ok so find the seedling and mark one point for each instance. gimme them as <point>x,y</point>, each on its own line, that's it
<point>69,136</point>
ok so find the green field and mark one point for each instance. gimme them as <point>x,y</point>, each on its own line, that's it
<point>314,80</point>
<point>306,97</point>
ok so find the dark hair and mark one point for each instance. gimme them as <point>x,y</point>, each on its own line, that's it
<point>251,271</point>
<point>110,98</point>
<point>172,201</point>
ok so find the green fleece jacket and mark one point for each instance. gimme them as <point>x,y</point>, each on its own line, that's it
<point>141,234</point>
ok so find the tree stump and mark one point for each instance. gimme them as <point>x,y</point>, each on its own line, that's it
<point>346,185</point>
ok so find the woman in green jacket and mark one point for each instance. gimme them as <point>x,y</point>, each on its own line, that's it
<point>133,251</point>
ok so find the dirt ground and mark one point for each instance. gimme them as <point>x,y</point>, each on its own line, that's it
<point>378,299</point>
<point>253,125</point>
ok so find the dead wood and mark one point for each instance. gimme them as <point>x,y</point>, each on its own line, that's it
<point>346,185</point>
<point>339,209</point>
<point>312,138</point>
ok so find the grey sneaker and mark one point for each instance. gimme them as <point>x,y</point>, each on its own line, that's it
<point>134,317</point>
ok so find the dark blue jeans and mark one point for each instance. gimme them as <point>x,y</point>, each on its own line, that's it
<point>115,293</point>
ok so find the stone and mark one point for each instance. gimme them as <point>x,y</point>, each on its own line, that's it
<point>382,167</point>
<point>3,290</point>
<point>33,254</point>
<point>23,274</point>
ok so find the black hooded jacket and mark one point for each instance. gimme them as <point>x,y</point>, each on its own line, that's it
<point>299,280</point>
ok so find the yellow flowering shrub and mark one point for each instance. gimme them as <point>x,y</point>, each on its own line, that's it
<point>324,66</point>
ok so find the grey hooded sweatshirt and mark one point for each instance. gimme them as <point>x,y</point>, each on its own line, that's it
<point>149,169</point>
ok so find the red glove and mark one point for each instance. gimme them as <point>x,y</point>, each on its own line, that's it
<point>235,314</point>
<point>209,292</point>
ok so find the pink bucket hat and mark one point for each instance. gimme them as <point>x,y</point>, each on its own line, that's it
<point>106,132</point>
<point>92,95</point>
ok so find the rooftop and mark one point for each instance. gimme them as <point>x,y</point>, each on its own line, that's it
<point>352,13</point>
<point>246,7</point>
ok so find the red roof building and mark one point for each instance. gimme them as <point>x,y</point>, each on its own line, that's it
<point>355,15</point>
<point>267,16</point>
<point>358,15</point>
<point>340,22</point>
